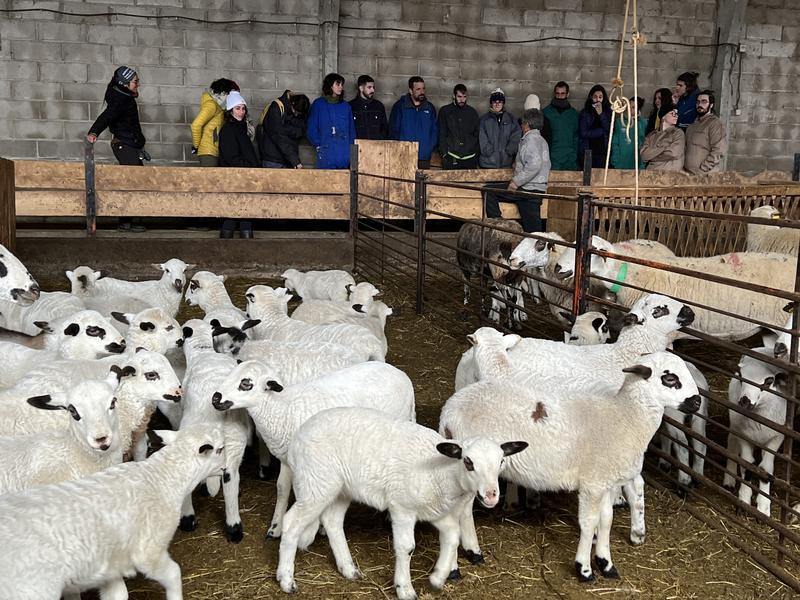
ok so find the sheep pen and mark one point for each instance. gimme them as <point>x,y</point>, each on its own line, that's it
<point>529,553</point>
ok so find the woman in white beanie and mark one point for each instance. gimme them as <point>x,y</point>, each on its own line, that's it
<point>236,150</point>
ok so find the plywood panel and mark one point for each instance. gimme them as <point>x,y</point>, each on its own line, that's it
<point>65,203</point>
<point>40,174</point>
<point>386,158</point>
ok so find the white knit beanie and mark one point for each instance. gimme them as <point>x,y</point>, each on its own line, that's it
<point>532,101</point>
<point>234,99</point>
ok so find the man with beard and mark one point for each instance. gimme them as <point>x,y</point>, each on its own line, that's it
<point>705,138</point>
<point>458,132</point>
<point>368,113</point>
<point>562,133</point>
<point>413,119</point>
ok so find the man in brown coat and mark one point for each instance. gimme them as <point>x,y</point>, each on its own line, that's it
<point>705,138</point>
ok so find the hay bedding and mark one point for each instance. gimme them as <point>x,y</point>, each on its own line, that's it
<point>529,554</point>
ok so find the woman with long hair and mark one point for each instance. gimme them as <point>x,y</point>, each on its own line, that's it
<point>686,91</point>
<point>330,125</point>
<point>662,97</point>
<point>594,125</point>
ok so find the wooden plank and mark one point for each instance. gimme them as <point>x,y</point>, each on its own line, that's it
<point>41,174</point>
<point>49,203</point>
<point>386,158</point>
<point>8,219</point>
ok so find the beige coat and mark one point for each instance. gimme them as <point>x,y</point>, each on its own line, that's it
<point>664,150</point>
<point>705,145</point>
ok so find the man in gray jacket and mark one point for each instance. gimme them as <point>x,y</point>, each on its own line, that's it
<point>531,171</point>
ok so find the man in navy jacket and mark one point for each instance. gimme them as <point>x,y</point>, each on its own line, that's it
<point>368,113</point>
<point>413,119</point>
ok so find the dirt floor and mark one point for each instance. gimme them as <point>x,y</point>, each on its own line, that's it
<point>529,554</point>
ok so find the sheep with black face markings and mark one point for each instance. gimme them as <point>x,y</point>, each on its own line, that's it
<point>327,311</point>
<point>51,306</point>
<point>16,283</point>
<point>319,285</point>
<point>577,440</point>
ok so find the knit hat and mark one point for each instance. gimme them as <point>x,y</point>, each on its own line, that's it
<point>532,101</point>
<point>124,75</point>
<point>234,99</point>
<point>496,95</point>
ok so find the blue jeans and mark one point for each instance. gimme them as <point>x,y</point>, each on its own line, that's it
<point>529,208</point>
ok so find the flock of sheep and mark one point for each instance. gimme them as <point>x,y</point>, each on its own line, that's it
<point>86,502</point>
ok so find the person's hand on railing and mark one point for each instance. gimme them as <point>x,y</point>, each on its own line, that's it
<point>299,166</point>
<point>512,186</point>
<point>91,138</point>
<point>194,149</point>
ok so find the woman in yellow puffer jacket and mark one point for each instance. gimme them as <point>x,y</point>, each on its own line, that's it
<point>208,122</point>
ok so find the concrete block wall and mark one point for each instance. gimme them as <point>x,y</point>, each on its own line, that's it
<point>54,68</point>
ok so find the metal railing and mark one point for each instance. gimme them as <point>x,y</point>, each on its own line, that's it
<point>418,257</point>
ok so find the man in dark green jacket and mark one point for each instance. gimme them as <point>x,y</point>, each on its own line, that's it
<point>563,130</point>
<point>458,132</point>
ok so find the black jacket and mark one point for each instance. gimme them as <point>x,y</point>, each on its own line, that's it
<point>370,119</point>
<point>235,147</point>
<point>281,133</point>
<point>458,130</point>
<point>121,117</point>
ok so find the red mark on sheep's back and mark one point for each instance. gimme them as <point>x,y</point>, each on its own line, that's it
<point>539,412</point>
<point>735,259</point>
<point>448,434</point>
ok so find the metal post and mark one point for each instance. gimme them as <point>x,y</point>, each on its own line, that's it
<point>420,223</point>
<point>583,240</point>
<point>587,167</point>
<point>796,168</point>
<point>91,201</point>
<point>354,202</point>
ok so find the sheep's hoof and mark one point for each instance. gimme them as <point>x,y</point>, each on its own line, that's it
<point>288,585</point>
<point>637,538</point>
<point>269,472</point>
<point>609,572</point>
<point>274,533</point>
<point>585,574</point>
<point>455,575</point>
<point>188,523</point>
<point>475,558</point>
<point>234,533</point>
<point>664,465</point>
<point>202,490</point>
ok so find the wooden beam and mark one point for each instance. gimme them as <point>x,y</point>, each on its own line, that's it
<point>51,203</point>
<point>8,218</point>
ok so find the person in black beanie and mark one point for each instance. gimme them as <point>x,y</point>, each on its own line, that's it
<point>121,117</point>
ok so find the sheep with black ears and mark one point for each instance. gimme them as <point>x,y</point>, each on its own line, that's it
<point>327,311</point>
<point>51,306</point>
<point>16,283</point>
<point>90,533</point>
<point>756,393</point>
<point>588,329</point>
<point>90,444</point>
<point>83,280</point>
<point>579,441</point>
<point>319,285</point>
<point>771,238</point>
<point>346,454</point>
<point>278,412</point>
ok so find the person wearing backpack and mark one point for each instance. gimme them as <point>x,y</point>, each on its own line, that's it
<point>281,127</point>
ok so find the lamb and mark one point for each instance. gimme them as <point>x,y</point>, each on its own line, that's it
<point>497,246</point>
<point>90,444</point>
<point>50,306</point>
<point>152,329</point>
<point>326,311</point>
<point>771,238</point>
<point>577,441</point>
<point>319,285</point>
<point>270,306</point>
<point>404,468</point>
<point>279,412</point>
<point>207,291</point>
<point>756,393</point>
<point>588,329</point>
<point>371,317</point>
<point>771,270</point>
<point>51,534</point>
<point>83,288</point>
<point>163,293</point>
<point>16,283</point>
<point>206,370</point>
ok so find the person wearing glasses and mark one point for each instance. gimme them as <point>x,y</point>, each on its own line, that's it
<point>664,149</point>
<point>499,134</point>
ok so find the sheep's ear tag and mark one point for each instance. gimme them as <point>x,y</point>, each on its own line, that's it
<point>205,448</point>
<point>640,370</point>
<point>449,449</point>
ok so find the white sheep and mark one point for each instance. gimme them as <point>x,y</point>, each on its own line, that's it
<point>319,285</point>
<point>270,307</point>
<point>346,454</point>
<point>90,533</point>
<point>82,287</point>
<point>771,270</point>
<point>206,370</point>
<point>578,441</point>
<point>90,444</point>
<point>327,311</point>
<point>588,329</point>
<point>162,293</point>
<point>771,238</point>
<point>759,396</point>
<point>16,283</point>
<point>278,412</point>
<point>50,306</point>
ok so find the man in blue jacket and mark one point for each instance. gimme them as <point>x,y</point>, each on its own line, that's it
<point>413,119</point>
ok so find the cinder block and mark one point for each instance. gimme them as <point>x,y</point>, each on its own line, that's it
<point>59,150</point>
<point>152,112</point>
<point>303,8</point>
<point>764,32</point>
<point>502,16</point>
<point>779,49</point>
<point>5,89</point>
<point>216,40</point>
<point>6,133</point>
<point>275,62</point>
<point>154,76</point>
<point>162,3</point>
<point>67,72</point>
<point>255,6</point>
<point>87,53</point>
<point>17,29</point>
<point>461,14</point>
<point>385,10</point>
<point>355,64</point>
<point>34,90</point>
<point>210,4</point>
<point>152,133</point>
<point>77,131</point>
<point>26,50</point>
<point>179,94</point>
<point>300,44</point>
<point>30,129</point>
<point>398,66</point>
<point>181,24</point>
<point>791,34</point>
<point>682,10</point>
<point>14,149</point>
<point>298,82</point>
<point>178,134</point>
<point>589,22</point>
<point>540,18</point>
<point>515,34</point>
<point>159,38</point>
<point>111,34</point>
<point>61,32</point>
<point>229,60</point>
<point>54,110</point>
<point>568,5</point>
<point>175,57</point>
<point>201,76</point>
<point>136,56</point>
<point>262,43</point>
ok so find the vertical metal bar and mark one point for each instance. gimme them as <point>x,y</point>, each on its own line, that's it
<point>796,168</point>
<point>91,201</point>
<point>587,167</point>
<point>420,226</point>
<point>791,409</point>
<point>583,240</point>
<point>354,202</point>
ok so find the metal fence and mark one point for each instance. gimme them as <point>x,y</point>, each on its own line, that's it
<point>418,256</point>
